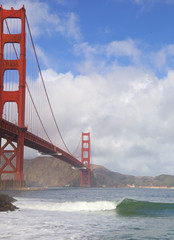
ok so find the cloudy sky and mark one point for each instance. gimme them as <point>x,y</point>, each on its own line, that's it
<point>109,69</point>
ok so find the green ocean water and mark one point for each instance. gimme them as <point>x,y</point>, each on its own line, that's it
<point>92,213</point>
<point>134,208</point>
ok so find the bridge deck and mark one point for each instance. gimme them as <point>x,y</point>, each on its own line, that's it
<point>37,143</point>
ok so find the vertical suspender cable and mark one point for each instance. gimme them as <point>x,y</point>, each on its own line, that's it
<point>28,88</point>
<point>45,87</point>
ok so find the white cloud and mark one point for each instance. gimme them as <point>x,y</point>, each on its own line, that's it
<point>71,26</point>
<point>127,48</point>
<point>42,55</point>
<point>85,50</point>
<point>147,5</point>
<point>124,53</point>
<point>123,48</point>
<point>128,112</point>
<point>160,59</point>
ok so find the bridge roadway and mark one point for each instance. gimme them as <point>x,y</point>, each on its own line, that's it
<point>37,143</point>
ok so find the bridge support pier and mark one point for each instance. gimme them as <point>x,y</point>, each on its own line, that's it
<point>85,178</point>
<point>19,176</point>
<point>11,155</point>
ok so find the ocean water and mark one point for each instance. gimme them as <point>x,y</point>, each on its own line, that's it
<point>91,213</point>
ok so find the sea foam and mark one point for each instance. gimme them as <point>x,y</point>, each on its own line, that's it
<point>67,206</point>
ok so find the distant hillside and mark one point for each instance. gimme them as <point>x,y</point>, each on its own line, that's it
<point>164,180</point>
<point>51,172</point>
<point>107,178</point>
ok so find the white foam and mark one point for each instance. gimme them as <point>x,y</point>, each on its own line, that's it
<point>66,206</point>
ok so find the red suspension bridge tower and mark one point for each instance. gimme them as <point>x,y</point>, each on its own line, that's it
<point>18,96</point>
<point>13,84</point>
<point>85,158</point>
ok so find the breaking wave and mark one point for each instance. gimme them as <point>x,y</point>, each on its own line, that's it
<point>131,207</point>
<point>67,206</point>
<point>126,207</point>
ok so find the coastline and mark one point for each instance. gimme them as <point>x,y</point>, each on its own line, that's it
<point>24,189</point>
<point>150,187</point>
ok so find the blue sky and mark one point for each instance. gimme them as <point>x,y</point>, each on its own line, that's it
<point>147,23</point>
<point>109,69</point>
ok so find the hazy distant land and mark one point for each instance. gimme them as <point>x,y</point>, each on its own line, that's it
<point>48,171</point>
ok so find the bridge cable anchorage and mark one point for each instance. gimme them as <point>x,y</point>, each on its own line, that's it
<point>45,87</point>
<point>28,88</point>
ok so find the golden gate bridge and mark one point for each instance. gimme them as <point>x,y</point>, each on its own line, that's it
<point>26,112</point>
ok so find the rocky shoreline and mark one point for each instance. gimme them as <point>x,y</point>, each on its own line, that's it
<point>6,203</point>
